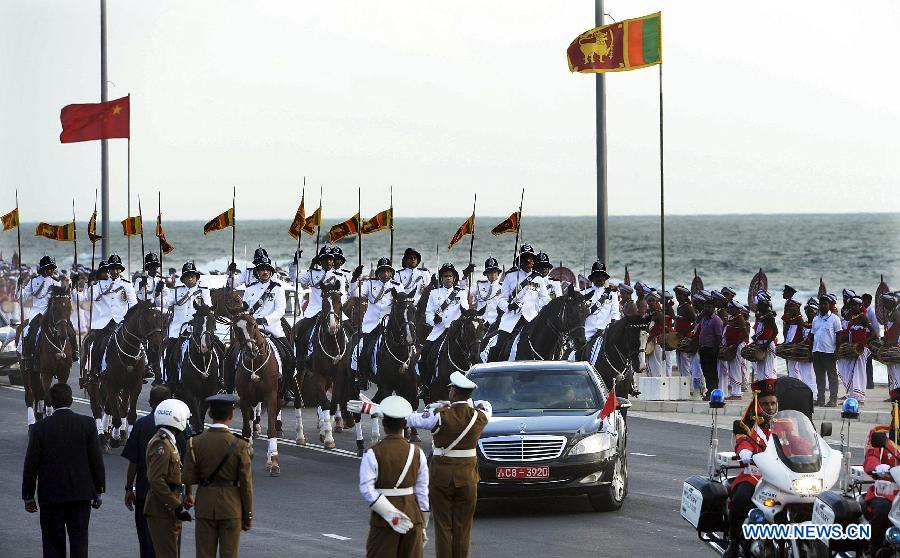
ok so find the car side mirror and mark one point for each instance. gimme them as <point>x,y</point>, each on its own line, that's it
<point>879,439</point>
<point>825,429</point>
<point>623,403</point>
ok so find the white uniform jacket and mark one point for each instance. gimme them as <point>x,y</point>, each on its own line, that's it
<point>314,279</point>
<point>148,292</point>
<point>449,311</point>
<point>180,303</point>
<point>380,298</point>
<point>487,296</point>
<point>413,281</point>
<point>603,308</point>
<point>111,300</point>
<point>528,291</point>
<point>38,291</point>
<point>271,304</point>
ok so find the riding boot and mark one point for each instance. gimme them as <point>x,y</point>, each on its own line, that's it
<point>73,341</point>
<point>25,364</point>
<point>733,550</point>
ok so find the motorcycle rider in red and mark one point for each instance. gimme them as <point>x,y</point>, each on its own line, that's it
<point>756,424</point>
<point>878,464</point>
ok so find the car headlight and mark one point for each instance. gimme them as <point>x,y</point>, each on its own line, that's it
<point>808,486</point>
<point>595,443</point>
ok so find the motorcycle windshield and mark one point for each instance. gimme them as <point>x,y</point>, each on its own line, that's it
<point>796,442</point>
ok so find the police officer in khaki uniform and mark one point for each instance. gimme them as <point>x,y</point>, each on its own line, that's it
<point>164,509</point>
<point>393,479</point>
<point>219,462</point>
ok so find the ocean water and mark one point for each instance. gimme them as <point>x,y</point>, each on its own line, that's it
<point>851,251</point>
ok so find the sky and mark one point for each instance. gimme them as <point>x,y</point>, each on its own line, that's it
<point>770,107</point>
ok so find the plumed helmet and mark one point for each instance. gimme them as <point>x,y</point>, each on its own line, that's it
<point>172,413</point>
<point>46,263</point>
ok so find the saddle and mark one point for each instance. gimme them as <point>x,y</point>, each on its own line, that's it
<point>504,349</point>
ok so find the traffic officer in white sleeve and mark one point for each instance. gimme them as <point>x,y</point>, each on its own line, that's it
<point>603,302</point>
<point>38,290</point>
<point>393,479</point>
<point>379,291</point>
<point>266,302</point>
<point>523,294</point>
<point>445,305</point>
<point>412,279</point>
<point>180,304</point>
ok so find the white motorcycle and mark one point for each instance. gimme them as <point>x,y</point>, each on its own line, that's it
<point>796,466</point>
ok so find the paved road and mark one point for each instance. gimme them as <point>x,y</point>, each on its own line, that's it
<point>315,507</point>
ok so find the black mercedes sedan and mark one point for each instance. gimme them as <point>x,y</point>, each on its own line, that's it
<point>546,437</point>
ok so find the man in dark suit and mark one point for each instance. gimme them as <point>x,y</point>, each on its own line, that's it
<point>65,464</point>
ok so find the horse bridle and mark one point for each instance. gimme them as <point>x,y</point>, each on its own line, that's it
<point>253,348</point>
<point>53,339</point>
<point>561,335</point>
<point>407,326</point>
<point>320,325</point>
<point>626,359</point>
<point>123,328</point>
<point>203,370</point>
<point>467,353</point>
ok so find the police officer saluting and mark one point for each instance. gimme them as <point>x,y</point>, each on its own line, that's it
<point>164,509</point>
<point>219,462</point>
<point>393,479</point>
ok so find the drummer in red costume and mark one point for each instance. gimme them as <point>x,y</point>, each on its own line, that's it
<point>878,464</point>
<point>892,334</point>
<point>765,331</point>
<point>683,325</point>
<point>859,332</point>
<point>756,424</point>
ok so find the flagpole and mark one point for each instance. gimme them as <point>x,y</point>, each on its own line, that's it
<point>318,225</point>
<point>141,217</point>
<point>128,182</point>
<point>297,255</point>
<point>392,224</point>
<point>90,282</point>
<point>233,228</point>
<point>104,147</point>
<point>472,244</point>
<point>359,222</point>
<point>518,228</point>
<point>162,277</point>
<point>662,199</point>
<point>600,102</point>
<point>20,287</point>
<point>359,314</point>
<point>75,268</point>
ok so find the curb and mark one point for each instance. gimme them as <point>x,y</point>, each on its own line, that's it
<point>736,410</point>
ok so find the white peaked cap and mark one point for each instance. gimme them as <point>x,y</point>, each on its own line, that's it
<point>458,379</point>
<point>396,407</point>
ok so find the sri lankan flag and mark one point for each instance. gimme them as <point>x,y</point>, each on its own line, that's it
<point>10,220</point>
<point>299,221</point>
<point>510,224</point>
<point>56,232</point>
<point>347,228</point>
<point>222,221</point>
<point>132,226</point>
<point>163,243</point>
<point>381,221</point>
<point>626,45</point>
<point>313,222</point>
<point>466,228</point>
<point>92,228</point>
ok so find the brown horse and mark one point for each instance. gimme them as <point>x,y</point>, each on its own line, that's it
<point>256,380</point>
<point>51,355</point>
<point>115,397</point>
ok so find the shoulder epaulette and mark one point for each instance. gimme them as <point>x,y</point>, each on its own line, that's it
<point>202,287</point>
<point>423,269</point>
<point>395,282</point>
<point>251,284</point>
<point>276,283</point>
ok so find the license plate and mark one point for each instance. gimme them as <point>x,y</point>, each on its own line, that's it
<point>523,472</point>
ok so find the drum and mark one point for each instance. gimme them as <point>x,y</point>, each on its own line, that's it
<point>888,355</point>
<point>794,351</point>
<point>688,345</point>
<point>754,352</point>
<point>727,352</point>
<point>651,346</point>
<point>849,351</point>
<point>671,341</point>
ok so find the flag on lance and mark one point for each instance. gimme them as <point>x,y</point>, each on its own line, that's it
<point>313,221</point>
<point>299,221</point>
<point>132,226</point>
<point>466,228</point>
<point>92,229</point>
<point>10,220</point>
<point>163,243</point>
<point>341,230</point>
<point>219,222</point>
<point>510,224</point>
<point>381,221</point>
<point>56,232</point>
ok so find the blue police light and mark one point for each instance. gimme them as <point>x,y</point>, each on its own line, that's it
<point>717,398</point>
<point>892,536</point>
<point>758,517</point>
<point>850,408</point>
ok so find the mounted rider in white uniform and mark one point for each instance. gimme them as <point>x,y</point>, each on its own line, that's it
<point>179,302</point>
<point>151,286</point>
<point>522,296</point>
<point>487,292</point>
<point>37,289</point>
<point>445,305</point>
<point>111,297</point>
<point>412,279</point>
<point>543,267</point>
<point>321,275</point>
<point>379,292</point>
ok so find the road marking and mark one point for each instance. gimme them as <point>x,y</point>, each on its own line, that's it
<point>643,454</point>
<point>333,536</point>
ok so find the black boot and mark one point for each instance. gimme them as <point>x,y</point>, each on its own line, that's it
<point>733,550</point>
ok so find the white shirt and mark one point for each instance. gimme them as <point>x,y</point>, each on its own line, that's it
<point>180,302</point>
<point>413,281</point>
<point>314,279</point>
<point>530,298</point>
<point>380,300</point>
<point>824,330</point>
<point>111,300</point>
<point>272,306</point>
<point>368,474</point>
<point>603,310</point>
<point>453,310</point>
<point>873,319</point>
<point>430,420</point>
<point>487,296</point>
<point>38,290</point>
<point>148,291</point>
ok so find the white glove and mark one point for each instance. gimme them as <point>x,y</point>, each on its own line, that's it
<point>426,519</point>
<point>437,405</point>
<point>364,407</point>
<point>483,405</point>
<point>746,456</point>
<point>398,520</point>
<point>882,469</point>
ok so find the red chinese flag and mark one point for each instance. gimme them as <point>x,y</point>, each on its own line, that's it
<point>95,121</point>
<point>610,404</point>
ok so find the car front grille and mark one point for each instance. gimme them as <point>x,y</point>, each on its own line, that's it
<point>522,447</point>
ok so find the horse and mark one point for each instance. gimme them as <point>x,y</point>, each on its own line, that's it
<point>122,378</point>
<point>328,364</point>
<point>456,350</point>
<point>256,380</point>
<point>556,331</point>
<point>615,351</point>
<point>395,356</point>
<point>201,361</point>
<point>423,328</point>
<point>51,354</point>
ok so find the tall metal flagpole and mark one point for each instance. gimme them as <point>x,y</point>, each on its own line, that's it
<point>162,277</point>
<point>602,210</point>
<point>128,187</point>
<point>20,287</point>
<point>104,148</point>
<point>75,272</point>
<point>141,217</point>
<point>662,199</point>
<point>233,227</point>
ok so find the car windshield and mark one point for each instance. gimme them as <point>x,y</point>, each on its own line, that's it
<point>796,441</point>
<point>538,390</point>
